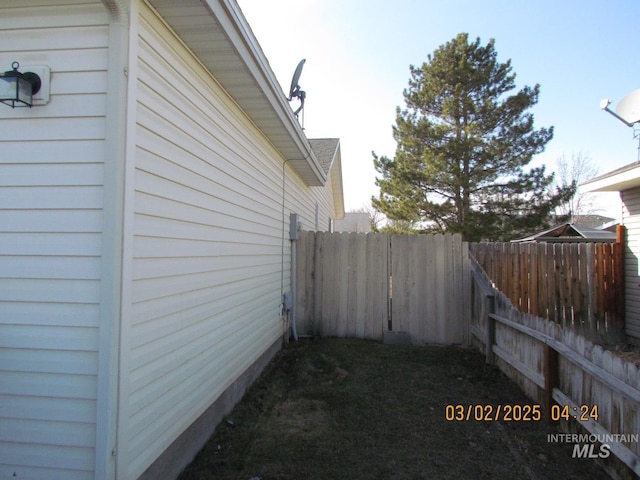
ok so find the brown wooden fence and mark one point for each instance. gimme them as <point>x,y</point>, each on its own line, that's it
<point>578,285</point>
<point>562,370</point>
<point>363,285</point>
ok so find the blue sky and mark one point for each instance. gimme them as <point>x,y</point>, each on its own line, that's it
<point>358,54</point>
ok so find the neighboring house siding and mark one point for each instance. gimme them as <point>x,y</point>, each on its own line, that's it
<point>631,220</point>
<point>51,197</point>
<point>354,222</point>
<point>207,265</point>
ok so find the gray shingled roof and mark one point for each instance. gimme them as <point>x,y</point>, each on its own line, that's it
<point>568,232</point>
<point>325,150</point>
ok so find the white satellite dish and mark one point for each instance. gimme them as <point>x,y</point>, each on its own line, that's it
<point>629,107</point>
<point>628,112</point>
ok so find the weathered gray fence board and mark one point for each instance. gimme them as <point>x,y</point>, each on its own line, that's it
<point>349,284</point>
<point>403,281</point>
<point>342,285</point>
<point>305,254</point>
<point>376,309</point>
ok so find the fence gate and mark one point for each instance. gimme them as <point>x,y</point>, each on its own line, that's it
<point>361,285</point>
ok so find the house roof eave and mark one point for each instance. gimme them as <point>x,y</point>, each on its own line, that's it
<point>328,152</point>
<point>336,182</point>
<point>219,35</point>
<point>623,178</point>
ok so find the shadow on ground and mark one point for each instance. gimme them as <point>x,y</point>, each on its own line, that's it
<point>354,409</point>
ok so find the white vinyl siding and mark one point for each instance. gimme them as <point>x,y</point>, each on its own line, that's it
<point>51,191</point>
<point>207,251</point>
<point>631,220</point>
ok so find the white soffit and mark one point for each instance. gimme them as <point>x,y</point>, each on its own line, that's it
<point>327,150</point>
<point>219,35</point>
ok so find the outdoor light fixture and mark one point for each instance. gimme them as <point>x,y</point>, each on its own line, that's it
<point>17,89</point>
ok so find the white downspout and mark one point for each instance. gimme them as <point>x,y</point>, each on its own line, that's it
<point>111,267</point>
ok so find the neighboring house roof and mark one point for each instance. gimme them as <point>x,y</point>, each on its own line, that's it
<point>611,226</point>
<point>623,178</point>
<point>593,221</point>
<point>570,232</point>
<point>353,222</point>
<point>327,150</point>
<point>219,35</point>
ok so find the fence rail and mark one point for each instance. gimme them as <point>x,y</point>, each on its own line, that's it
<point>577,285</point>
<point>552,363</point>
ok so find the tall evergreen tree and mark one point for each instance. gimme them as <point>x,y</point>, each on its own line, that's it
<point>463,145</point>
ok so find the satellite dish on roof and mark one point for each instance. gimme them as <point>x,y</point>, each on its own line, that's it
<point>629,107</point>
<point>296,78</point>
<point>627,111</point>
<point>294,90</point>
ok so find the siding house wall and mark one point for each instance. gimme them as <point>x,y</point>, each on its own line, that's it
<point>51,224</point>
<point>207,244</point>
<point>136,286</point>
<point>631,220</point>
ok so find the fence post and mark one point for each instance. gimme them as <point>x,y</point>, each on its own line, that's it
<point>490,305</point>
<point>551,378</point>
<point>619,281</point>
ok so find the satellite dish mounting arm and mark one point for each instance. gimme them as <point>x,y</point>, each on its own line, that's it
<point>628,112</point>
<point>301,95</point>
<point>604,105</point>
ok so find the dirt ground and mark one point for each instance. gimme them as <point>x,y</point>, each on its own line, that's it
<point>352,409</point>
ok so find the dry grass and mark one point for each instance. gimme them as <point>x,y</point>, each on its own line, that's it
<point>352,409</point>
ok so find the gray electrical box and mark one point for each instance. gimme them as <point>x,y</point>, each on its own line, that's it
<point>294,226</point>
<point>287,300</point>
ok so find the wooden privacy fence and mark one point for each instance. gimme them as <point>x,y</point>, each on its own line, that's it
<point>558,367</point>
<point>363,285</point>
<point>577,285</point>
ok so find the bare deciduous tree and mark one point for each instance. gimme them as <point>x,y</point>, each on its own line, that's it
<point>579,168</point>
